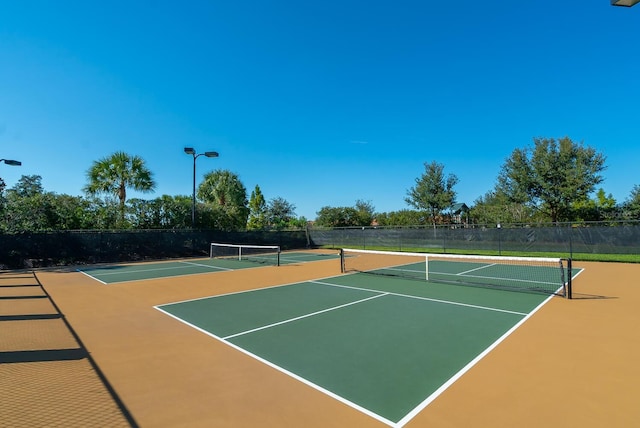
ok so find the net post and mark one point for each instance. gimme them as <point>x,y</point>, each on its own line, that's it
<point>569,279</point>
<point>278,257</point>
<point>341,260</point>
<point>426,268</point>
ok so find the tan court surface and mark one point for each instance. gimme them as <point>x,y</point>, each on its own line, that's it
<point>573,364</point>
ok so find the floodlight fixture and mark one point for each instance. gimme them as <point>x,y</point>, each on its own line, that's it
<point>625,3</point>
<point>191,151</point>
<point>11,162</point>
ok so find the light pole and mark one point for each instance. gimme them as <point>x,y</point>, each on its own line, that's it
<point>11,162</point>
<point>627,3</point>
<point>191,151</point>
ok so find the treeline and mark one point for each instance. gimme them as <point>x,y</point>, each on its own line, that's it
<point>489,211</point>
<point>27,207</point>
<point>221,204</point>
<point>551,181</point>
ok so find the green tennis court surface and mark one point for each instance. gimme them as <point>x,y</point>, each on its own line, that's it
<point>385,346</point>
<point>123,273</point>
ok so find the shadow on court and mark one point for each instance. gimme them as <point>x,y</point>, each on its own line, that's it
<point>46,373</point>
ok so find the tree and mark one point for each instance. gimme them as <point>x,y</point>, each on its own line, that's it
<point>433,191</point>
<point>402,218</point>
<point>360,215</point>
<point>104,213</point>
<point>28,185</point>
<point>298,223</point>
<point>165,212</point>
<point>143,214</point>
<point>631,206</point>
<point>27,206</point>
<point>30,209</point>
<point>3,203</point>
<point>114,174</point>
<point>337,217</point>
<point>280,213</point>
<point>366,212</point>
<point>552,175</point>
<point>257,210</point>
<point>227,196</point>
<point>175,211</point>
<point>69,212</point>
<point>602,207</point>
<point>495,207</point>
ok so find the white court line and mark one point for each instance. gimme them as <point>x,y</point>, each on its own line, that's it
<point>286,372</point>
<point>306,259</point>
<point>475,269</point>
<point>159,269</point>
<point>91,276</point>
<point>141,270</point>
<point>471,276</point>
<point>413,413</point>
<point>446,302</point>
<point>409,416</point>
<point>304,316</point>
<point>214,268</point>
<point>314,256</point>
<point>253,290</point>
<point>207,266</point>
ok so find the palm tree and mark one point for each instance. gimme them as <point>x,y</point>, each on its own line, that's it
<point>113,174</point>
<point>223,188</point>
<point>224,191</point>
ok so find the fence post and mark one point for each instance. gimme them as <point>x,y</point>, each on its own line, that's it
<point>444,239</point>
<point>569,280</point>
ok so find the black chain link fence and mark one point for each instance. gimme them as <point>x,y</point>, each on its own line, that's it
<point>29,250</point>
<point>566,239</point>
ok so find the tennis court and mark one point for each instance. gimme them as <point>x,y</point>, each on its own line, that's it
<point>143,271</point>
<point>410,342</point>
<point>384,345</point>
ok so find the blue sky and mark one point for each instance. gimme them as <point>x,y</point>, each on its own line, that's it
<point>320,103</point>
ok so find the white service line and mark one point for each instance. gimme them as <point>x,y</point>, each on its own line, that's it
<point>207,266</point>
<point>447,302</point>
<point>466,368</point>
<point>475,269</point>
<point>303,316</point>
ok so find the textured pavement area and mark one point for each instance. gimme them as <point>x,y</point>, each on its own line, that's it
<point>46,376</point>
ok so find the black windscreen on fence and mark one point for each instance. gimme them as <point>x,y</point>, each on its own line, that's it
<point>86,247</point>
<point>568,239</point>
<point>83,247</point>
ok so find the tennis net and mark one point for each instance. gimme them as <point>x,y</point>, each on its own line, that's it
<point>534,274</point>
<point>266,254</point>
